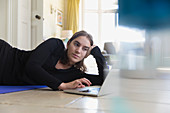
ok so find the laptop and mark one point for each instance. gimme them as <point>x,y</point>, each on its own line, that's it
<point>96,91</point>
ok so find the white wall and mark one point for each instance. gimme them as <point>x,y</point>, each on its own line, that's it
<point>9,34</point>
<point>50,29</point>
<point>3,19</point>
<point>8,21</point>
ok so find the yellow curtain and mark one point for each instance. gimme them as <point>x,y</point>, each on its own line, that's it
<point>72,15</point>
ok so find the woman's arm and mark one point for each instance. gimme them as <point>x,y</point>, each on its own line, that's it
<point>101,63</point>
<point>34,68</point>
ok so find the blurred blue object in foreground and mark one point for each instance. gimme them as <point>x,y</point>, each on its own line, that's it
<point>145,14</point>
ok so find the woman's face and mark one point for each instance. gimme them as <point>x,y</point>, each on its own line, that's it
<point>77,49</point>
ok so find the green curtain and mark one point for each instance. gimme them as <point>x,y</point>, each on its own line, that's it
<point>73,15</point>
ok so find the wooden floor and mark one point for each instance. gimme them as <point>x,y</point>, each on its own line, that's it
<point>129,96</point>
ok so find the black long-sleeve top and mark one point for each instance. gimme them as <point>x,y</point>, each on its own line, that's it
<point>37,67</point>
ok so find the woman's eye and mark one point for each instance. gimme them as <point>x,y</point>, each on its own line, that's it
<point>76,44</point>
<point>85,49</point>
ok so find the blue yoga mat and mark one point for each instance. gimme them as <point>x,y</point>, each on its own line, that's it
<point>9,89</point>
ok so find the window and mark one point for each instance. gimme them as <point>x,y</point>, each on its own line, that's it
<point>99,18</point>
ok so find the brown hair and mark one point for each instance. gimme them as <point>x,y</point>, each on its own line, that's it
<point>79,65</point>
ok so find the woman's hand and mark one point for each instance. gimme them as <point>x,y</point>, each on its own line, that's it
<point>89,51</point>
<point>75,84</point>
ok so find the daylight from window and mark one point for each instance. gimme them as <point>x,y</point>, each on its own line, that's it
<point>100,18</point>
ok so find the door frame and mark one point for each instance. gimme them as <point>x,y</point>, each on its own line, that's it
<point>12,21</point>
